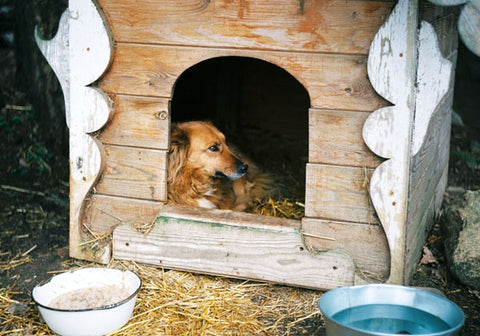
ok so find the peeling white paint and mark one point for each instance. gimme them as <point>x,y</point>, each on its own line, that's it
<point>387,131</point>
<point>433,80</point>
<point>80,53</point>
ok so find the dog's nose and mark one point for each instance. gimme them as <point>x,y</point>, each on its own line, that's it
<point>242,169</point>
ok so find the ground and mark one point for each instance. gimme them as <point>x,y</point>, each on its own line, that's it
<point>34,213</point>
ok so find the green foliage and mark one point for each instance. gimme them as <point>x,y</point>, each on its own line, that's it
<point>34,159</point>
<point>20,126</point>
<point>472,160</point>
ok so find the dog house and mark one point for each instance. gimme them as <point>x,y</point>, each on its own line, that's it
<point>378,78</point>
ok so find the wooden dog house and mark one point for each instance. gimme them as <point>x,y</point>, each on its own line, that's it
<point>378,133</point>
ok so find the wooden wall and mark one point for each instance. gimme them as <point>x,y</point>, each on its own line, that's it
<point>322,44</point>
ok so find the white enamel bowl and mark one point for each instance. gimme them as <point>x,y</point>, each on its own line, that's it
<point>92,321</point>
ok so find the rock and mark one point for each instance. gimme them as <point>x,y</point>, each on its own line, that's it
<point>461,232</point>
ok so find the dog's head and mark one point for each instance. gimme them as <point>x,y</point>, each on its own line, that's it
<point>202,146</point>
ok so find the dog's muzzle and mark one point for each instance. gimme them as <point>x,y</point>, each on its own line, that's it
<point>240,171</point>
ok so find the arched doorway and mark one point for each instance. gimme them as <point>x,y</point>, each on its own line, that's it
<point>261,108</point>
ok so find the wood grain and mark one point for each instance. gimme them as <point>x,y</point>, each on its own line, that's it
<point>328,26</point>
<point>338,193</point>
<point>392,69</point>
<point>134,173</point>
<point>153,70</point>
<point>272,254</point>
<point>429,165</point>
<point>335,137</point>
<point>138,122</point>
<point>444,20</point>
<point>103,212</point>
<point>428,182</point>
<point>366,244</point>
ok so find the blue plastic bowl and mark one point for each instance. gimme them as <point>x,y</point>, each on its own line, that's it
<point>385,310</point>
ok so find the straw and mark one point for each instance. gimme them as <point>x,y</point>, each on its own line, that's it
<point>181,303</point>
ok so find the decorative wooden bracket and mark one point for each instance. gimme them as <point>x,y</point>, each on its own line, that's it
<point>387,131</point>
<point>79,54</point>
<point>414,77</point>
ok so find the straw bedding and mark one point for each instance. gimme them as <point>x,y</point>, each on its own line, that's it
<point>284,159</point>
<point>180,303</point>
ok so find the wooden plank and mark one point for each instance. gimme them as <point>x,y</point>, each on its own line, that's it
<point>232,218</point>
<point>105,212</point>
<point>430,145</point>
<point>468,22</point>
<point>392,66</point>
<point>153,70</point>
<point>338,193</point>
<point>444,20</point>
<point>335,137</point>
<point>326,26</point>
<point>89,56</point>
<point>138,122</point>
<point>367,244</point>
<point>427,183</point>
<point>434,78</point>
<point>428,164</point>
<point>274,253</point>
<point>134,173</point>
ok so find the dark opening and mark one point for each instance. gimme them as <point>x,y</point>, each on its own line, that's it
<point>262,110</point>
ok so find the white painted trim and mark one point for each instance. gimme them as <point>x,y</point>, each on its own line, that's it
<point>79,54</point>
<point>433,81</point>
<point>387,131</point>
<point>56,53</point>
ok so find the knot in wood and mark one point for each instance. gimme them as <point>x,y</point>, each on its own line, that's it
<point>161,115</point>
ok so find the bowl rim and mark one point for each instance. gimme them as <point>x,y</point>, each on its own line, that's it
<point>392,286</point>
<point>105,307</point>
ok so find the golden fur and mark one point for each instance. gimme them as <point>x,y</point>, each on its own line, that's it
<point>204,171</point>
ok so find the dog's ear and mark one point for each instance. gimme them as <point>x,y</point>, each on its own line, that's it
<point>178,137</point>
<point>177,155</point>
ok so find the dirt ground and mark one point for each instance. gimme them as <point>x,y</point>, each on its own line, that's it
<point>34,211</point>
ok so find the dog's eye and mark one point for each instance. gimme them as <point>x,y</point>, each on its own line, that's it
<point>213,148</point>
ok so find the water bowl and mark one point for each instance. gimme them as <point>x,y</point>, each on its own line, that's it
<point>385,310</point>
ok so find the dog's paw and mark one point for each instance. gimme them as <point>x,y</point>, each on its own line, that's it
<point>242,203</point>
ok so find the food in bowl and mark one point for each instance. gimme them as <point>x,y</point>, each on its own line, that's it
<point>91,297</point>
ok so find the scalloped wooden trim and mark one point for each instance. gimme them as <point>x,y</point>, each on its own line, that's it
<point>56,53</point>
<point>387,131</point>
<point>414,76</point>
<point>79,54</point>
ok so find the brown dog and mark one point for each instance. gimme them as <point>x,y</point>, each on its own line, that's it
<point>203,171</point>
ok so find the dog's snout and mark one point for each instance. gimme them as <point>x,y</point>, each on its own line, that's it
<point>243,168</point>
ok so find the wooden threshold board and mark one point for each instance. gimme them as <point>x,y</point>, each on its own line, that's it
<point>233,244</point>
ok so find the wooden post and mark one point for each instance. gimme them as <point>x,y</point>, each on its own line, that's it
<point>392,65</point>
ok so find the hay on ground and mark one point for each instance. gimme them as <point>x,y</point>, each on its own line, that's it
<point>182,303</point>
